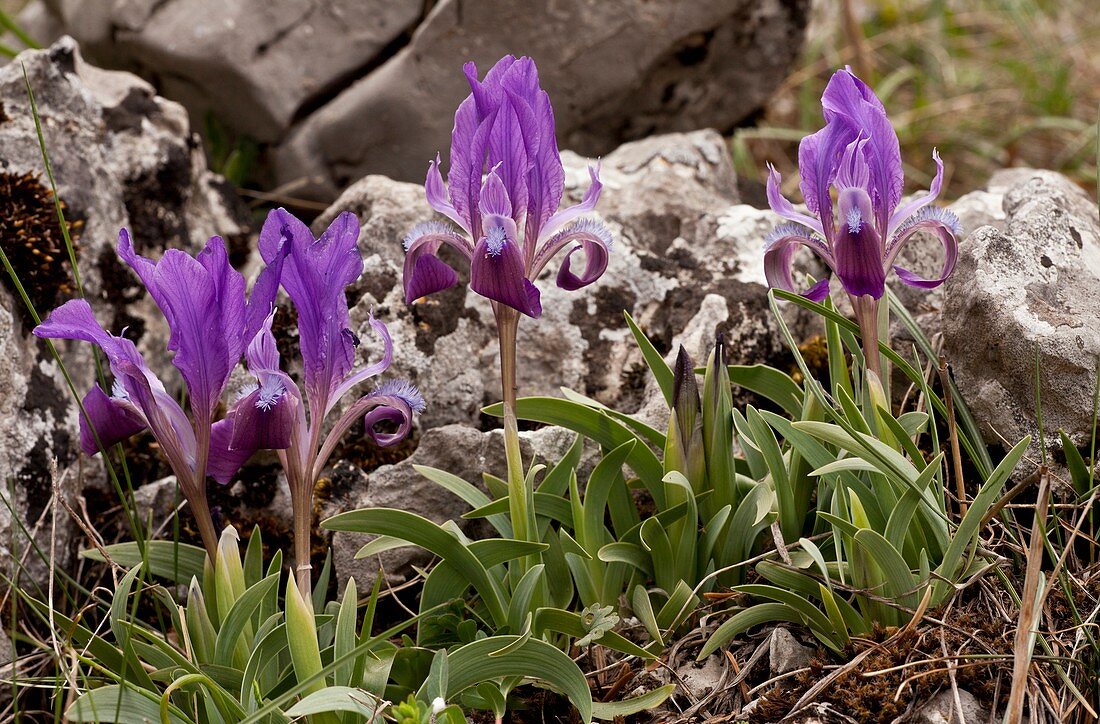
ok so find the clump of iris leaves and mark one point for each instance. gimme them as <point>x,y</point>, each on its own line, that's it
<point>824,505</point>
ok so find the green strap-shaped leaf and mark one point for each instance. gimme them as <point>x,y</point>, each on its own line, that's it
<point>744,620</point>
<point>124,705</point>
<point>238,620</point>
<point>662,374</point>
<point>431,537</point>
<point>482,660</point>
<point>596,425</point>
<point>770,383</point>
<point>177,562</point>
<point>336,698</point>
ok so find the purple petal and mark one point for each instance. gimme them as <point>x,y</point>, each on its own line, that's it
<point>265,418</point>
<point>508,151</point>
<point>546,177</point>
<point>780,205</point>
<point>593,237</point>
<point>943,224</point>
<point>261,300</point>
<point>487,93</point>
<point>262,353</point>
<point>497,272</point>
<point>224,461</point>
<point>779,251</point>
<point>372,370</point>
<point>437,197</point>
<point>559,220</point>
<point>850,103</point>
<point>206,351</point>
<point>424,273</point>
<point>818,157</point>
<point>857,247</point>
<point>113,419</point>
<point>469,147</point>
<point>144,268</point>
<point>396,415</point>
<point>315,276</point>
<point>494,199</point>
<point>917,203</point>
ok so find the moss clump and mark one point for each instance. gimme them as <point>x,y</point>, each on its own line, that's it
<point>34,243</point>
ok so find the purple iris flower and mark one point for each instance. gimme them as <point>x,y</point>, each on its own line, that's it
<point>203,301</point>
<point>856,155</point>
<point>275,413</point>
<point>505,125</point>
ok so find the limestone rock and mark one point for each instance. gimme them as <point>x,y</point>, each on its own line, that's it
<point>1033,287</point>
<point>785,653</point>
<point>944,709</point>
<point>122,157</point>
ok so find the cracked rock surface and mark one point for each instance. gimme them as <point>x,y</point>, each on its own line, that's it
<point>1030,286</point>
<point>122,157</point>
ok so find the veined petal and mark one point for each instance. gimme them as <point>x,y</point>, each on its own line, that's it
<point>224,461</point>
<point>906,210</point>
<point>494,199</point>
<point>469,148</point>
<point>780,205</point>
<point>424,273</point>
<point>857,247</point>
<point>779,249</point>
<point>113,419</point>
<point>588,234</point>
<point>436,195</point>
<point>546,176</point>
<point>265,418</point>
<point>818,158</point>
<point>508,155</point>
<point>372,370</point>
<point>261,300</point>
<point>850,103</point>
<point>497,272</point>
<point>945,225</point>
<point>558,221</point>
<point>315,276</point>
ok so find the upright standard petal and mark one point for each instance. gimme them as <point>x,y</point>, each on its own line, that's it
<point>911,207</point>
<point>112,419</point>
<point>497,272</point>
<point>818,157</point>
<point>587,205</point>
<point>315,276</point>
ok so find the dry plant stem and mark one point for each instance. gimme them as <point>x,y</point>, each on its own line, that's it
<point>866,308</point>
<point>1029,608</point>
<point>953,435</point>
<point>507,326</point>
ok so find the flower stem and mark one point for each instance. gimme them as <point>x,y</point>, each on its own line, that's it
<point>196,491</point>
<point>866,309</point>
<point>507,326</point>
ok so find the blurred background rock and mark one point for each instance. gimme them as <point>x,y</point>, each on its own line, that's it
<point>301,99</point>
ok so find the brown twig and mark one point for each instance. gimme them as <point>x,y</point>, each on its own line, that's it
<point>1029,608</point>
<point>953,435</point>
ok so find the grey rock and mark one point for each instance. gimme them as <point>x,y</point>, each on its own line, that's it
<point>700,679</point>
<point>122,157</point>
<point>785,653</point>
<point>1033,287</point>
<point>241,60</point>
<point>663,67</point>
<point>944,709</point>
<point>457,449</point>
